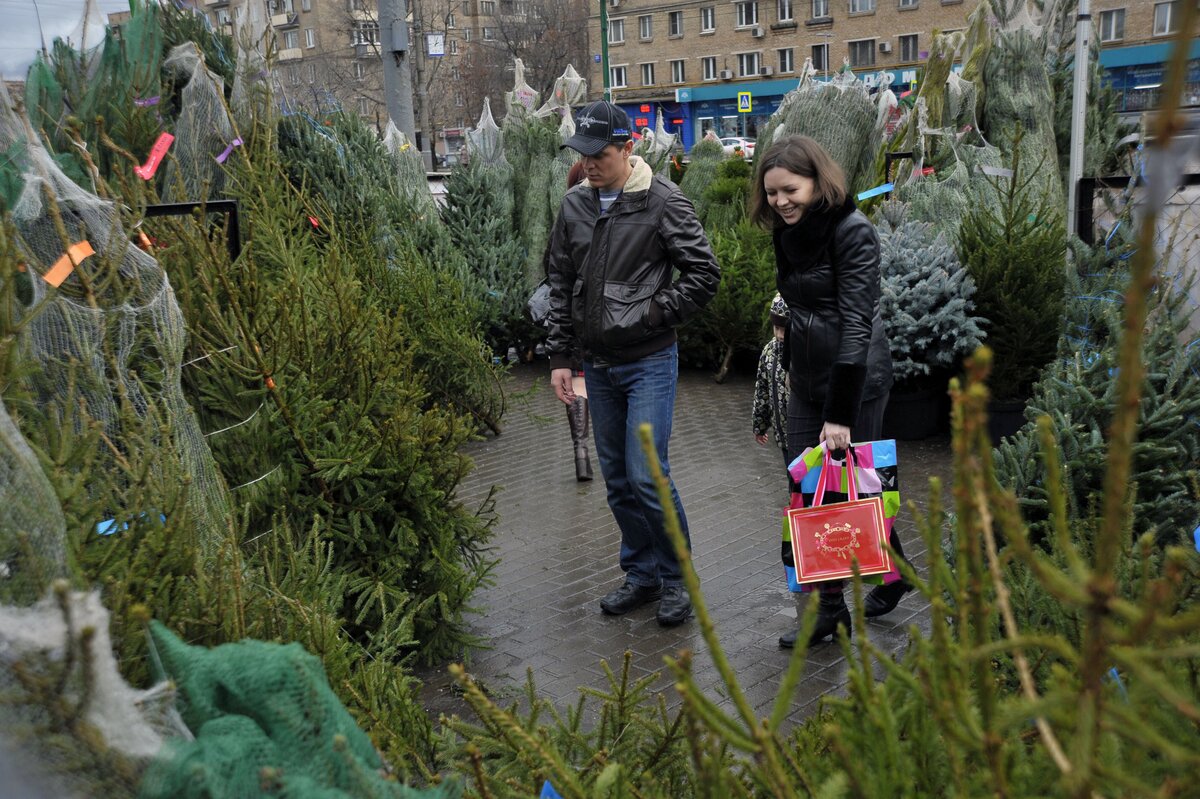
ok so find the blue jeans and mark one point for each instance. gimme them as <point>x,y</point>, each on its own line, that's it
<point>622,397</point>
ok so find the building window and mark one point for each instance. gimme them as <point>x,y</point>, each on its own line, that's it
<point>820,57</point>
<point>1166,18</point>
<point>616,77</point>
<point>223,17</point>
<point>708,65</point>
<point>360,70</point>
<point>1112,25</point>
<point>747,14</point>
<point>675,23</point>
<point>466,7</point>
<point>646,27</point>
<point>908,4</point>
<point>282,6</point>
<point>820,9</point>
<point>616,31</point>
<point>908,48</point>
<point>294,75</point>
<point>466,34</point>
<point>708,19</point>
<point>310,38</point>
<point>365,33</point>
<point>489,34</point>
<point>450,20</point>
<point>291,40</point>
<point>452,47</point>
<point>784,9</point>
<point>487,7</point>
<point>862,6</point>
<point>312,73</point>
<point>364,106</point>
<point>747,65</point>
<point>787,60</point>
<point>306,5</point>
<point>678,71</point>
<point>647,74</point>
<point>862,53</point>
<point>356,5</point>
<point>459,100</point>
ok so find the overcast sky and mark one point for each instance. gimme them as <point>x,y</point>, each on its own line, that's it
<point>19,32</point>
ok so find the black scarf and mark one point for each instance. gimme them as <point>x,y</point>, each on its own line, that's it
<point>805,243</point>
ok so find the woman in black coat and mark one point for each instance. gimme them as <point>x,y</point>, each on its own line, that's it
<point>840,366</point>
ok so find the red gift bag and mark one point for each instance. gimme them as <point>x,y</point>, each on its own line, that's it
<point>827,539</point>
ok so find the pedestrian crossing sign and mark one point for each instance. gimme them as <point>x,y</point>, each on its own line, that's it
<point>744,102</point>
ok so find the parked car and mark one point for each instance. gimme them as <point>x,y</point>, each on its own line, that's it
<point>731,143</point>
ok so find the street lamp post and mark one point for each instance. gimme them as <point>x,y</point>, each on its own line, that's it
<point>605,78</point>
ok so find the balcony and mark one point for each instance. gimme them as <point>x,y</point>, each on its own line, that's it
<point>279,20</point>
<point>215,3</point>
<point>290,54</point>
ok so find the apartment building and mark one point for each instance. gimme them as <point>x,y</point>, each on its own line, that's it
<point>1133,40</point>
<point>725,65</point>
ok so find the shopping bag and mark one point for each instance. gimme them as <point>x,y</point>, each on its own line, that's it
<point>825,537</point>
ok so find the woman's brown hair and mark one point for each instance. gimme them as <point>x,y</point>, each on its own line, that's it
<point>800,155</point>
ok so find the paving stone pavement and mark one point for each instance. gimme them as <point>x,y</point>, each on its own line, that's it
<point>557,547</point>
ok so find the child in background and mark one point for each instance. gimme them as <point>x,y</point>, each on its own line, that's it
<point>770,386</point>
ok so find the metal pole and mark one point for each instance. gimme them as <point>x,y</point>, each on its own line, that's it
<point>1083,31</point>
<point>397,71</point>
<point>605,78</point>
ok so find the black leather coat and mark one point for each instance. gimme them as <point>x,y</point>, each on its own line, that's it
<point>827,270</point>
<point>611,288</point>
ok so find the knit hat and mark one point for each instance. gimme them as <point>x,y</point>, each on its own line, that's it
<point>779,312</point>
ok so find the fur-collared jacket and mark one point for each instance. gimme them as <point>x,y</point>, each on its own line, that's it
<point>612,296</point>
<point>827,270</point>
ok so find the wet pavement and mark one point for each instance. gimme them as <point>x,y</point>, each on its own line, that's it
<point>557,548</point>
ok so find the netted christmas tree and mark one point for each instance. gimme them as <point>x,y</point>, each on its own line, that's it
<point>656,147</point>
<point>705,157</point>
<point>925,298</point>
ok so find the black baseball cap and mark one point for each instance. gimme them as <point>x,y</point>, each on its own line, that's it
<point>598,125</point>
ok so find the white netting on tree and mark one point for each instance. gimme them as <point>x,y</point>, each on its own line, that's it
<point>521,101</point>
<point>839,114</point>
<point>570,90</point>
<point>410,167</point>
<point>32,529</point>
<point>655,146</point>
<point>561,167</point>
<point>943,199</point>
<point>203,131</point>
<point>485,142</point>
<point>251,92</point>
<point>68,631</point>
<point>110,338</point>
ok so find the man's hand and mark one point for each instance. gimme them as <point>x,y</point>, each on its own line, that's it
<point>761,439</point>
<point>560,379</point>
<point>835,436</point>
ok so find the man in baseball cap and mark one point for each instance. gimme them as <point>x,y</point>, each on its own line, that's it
<point>598,125</point>
<point>628,262</point>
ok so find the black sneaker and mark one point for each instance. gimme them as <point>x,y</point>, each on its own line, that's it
<point>629,597</point>
<point>675,607</point>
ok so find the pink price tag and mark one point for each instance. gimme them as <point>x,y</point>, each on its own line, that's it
<point>147,170</point>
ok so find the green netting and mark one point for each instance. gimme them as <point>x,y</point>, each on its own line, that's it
<point>706,155</point>
<point>266,723</point>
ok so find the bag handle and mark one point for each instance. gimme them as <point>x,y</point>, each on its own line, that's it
<point>826,464</point>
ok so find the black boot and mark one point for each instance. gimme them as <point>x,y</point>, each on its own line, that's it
<point>577,415</point>
<point>831,613</point>
<point>884,598</point>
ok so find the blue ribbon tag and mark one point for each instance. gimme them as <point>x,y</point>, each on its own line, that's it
<point>875,192</point>
<point>110,526</point>
<point>548,791</point>
<point>1196,535</point>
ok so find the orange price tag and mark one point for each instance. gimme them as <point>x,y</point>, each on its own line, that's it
<point>65,265</point>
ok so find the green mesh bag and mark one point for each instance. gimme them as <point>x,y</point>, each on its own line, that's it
<point>266,724</point>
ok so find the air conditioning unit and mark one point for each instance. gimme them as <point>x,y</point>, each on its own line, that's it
<point>885,47</point>
<point>757,31</point>
<point>726,74</point>
<point>767,71</point>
